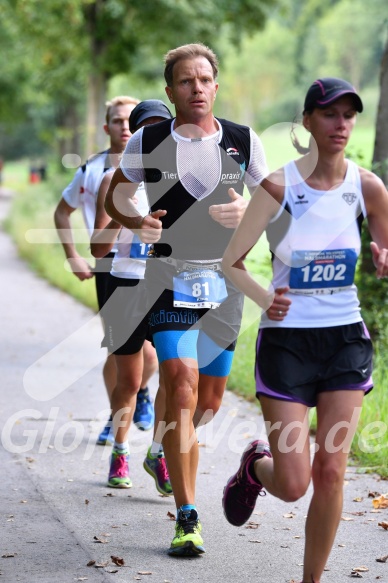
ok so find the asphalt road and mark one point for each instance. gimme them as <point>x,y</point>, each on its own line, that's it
<point>56,513</point>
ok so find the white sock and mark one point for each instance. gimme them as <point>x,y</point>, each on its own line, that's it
<point>121,446</point>
<point>156,448</point>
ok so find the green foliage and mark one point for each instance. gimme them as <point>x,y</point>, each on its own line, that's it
<point>370,445</point>
<point>33,208</point>
<point>241,379</point>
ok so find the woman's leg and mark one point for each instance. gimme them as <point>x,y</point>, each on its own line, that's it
<point>287,475</point>
<point>337,417</point>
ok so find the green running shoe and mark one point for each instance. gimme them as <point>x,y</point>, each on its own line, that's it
<point>187,541</point>
<point>157,468</point>
<point>119,470</point>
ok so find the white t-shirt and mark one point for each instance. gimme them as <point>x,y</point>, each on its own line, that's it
<point>131,254</point>
<point>83,189</point>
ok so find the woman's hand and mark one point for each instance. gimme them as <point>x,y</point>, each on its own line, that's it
<point>280,305</point>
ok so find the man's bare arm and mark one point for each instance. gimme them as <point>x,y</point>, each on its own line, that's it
<point>120,206</point>
<point>78,264</point>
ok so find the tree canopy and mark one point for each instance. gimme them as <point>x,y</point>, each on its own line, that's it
<point>61,58</point>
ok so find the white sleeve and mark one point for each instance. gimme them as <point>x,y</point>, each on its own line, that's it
<point>72,192</point>
<point>257,169</point>
<point>131,162</point>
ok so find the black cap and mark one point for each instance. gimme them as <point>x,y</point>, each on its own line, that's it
<point>324,91</point>
<point>146,109</point>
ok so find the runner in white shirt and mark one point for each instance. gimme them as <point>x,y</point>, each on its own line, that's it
<point>81,194</point>
<point>125,318</point>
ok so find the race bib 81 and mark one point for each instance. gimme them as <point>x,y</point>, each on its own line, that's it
<point>203,288</point>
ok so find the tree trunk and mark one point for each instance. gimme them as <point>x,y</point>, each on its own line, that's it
<point>68,124</point>
<point>380,154</point>
<point>373,293</point>
<point>95,138</point>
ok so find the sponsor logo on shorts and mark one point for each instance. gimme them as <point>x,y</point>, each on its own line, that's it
<point>183,317</point>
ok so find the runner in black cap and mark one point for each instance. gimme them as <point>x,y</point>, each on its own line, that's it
<point>313,349</point>
<point>327,90</point>
<point>125,337</point>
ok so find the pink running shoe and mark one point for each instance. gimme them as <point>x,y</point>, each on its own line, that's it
<point>157,468</point>
<point>119,470</point>
<point>242,489</point>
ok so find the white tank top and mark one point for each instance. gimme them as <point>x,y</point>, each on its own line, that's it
<point>315,241</point>
<point>131,254</point>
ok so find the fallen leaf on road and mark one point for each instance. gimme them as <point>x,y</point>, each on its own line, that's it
<point>119,561</point>
<point>382,559</point>
<point>8,555</point>
<point>86,502</point>
<point>346,518</point>
<point>99,540</point>
<point>373,494</point>
<point>171,515</point>
<point>289,515</point>
<point>252,525</point>
<point>109,495</point>
<point>358,499</point>
<point>384,525</point>
<point>91,563</point>
<point>112,571</point>
<point>380,502</point>
<point>360,569</point>
<point>355,574</point>
<point>254,541</point>
<point>102,565</point>
<point>144,572</point>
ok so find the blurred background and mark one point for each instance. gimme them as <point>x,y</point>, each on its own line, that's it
<point>62,59</point>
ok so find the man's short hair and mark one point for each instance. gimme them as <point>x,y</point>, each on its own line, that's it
<point>119,100</point>
<point>189,51</point>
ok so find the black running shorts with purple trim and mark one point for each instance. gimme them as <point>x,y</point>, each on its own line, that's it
<point>296,364</point>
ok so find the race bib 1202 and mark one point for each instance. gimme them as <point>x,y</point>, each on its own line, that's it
<point>328,271</point>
